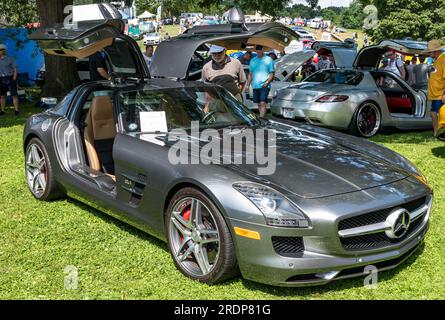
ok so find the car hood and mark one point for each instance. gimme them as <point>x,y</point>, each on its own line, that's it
<point>309,91</point>
<point>311,165</point>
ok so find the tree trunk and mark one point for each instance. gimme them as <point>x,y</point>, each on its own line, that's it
<point>61,73</point>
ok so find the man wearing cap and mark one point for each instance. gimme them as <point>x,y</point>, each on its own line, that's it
<point>436,81</point>
<point>225,71</point>
<point>8,80</point>
<point>262,71</point>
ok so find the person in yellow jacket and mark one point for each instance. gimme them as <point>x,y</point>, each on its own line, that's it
<point>441,127</point>
<point>436,81</point>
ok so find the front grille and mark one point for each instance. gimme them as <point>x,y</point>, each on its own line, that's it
<point>378,216</point>
<point>378,240</point>
<point>292,247</point>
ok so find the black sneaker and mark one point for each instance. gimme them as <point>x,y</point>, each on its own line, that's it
<point>17,112</point>
<point>2,113</point>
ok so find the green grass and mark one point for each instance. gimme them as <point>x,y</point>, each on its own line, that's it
<point>115,261</point>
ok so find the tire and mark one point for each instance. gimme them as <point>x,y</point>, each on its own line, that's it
<point>39,174</point>
<point>186,246</point>
<point>367,120</point>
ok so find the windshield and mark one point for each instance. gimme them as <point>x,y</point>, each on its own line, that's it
<point>349,77</point>
<point>211,107</point>
<point>152,35</point>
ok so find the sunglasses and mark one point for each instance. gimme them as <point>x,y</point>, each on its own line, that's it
<point>2,49</point>
<point>217,53</point>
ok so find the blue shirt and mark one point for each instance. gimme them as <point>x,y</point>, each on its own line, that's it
<point>260,69</point>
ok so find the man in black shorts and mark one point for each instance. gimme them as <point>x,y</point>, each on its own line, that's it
<point>8,80</point>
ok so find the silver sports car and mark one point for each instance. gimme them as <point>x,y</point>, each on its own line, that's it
<point>361,99</point>
<point>333,205</point>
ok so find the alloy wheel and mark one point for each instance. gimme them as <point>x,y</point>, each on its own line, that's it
<point>368,120</point>
<point>194,235</point>
<point>36,170</point>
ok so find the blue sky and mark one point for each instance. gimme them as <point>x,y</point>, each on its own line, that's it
<point>327,3</point>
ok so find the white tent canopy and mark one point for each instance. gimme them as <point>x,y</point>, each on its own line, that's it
<point>146,15</point>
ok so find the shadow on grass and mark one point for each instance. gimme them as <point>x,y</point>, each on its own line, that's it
<point>338,285</point>
<point>11,120</point>
<point>439,152</point>
<point>120,224</point>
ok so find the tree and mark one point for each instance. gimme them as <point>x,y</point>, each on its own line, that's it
<point>352,17</point>
<point>17,13</point>
<point>418,19</point>
<point>312,3</point>
<point>61,72</point>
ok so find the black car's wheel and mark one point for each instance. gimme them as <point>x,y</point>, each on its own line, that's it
<point>366,121</point>
<point>199,240</point>
<point>39,172</point>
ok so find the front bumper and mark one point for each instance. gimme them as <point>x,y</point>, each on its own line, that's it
<point>259,261</point>
<point>335,115</point>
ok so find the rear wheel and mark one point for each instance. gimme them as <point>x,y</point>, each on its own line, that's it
<point>366,121</point>
<point>199,240</point>
<point>39,172</point>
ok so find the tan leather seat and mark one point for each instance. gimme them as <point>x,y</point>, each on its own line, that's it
<point>99,134</point>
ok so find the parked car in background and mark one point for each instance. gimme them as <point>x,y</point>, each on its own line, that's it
<point>153,38</point>
<point>147,27</point>
<point>361,99</point>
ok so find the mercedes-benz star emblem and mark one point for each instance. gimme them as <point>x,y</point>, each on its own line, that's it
<point>399,221</point>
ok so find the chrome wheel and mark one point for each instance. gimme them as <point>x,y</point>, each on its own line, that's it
<point>368,120</point>
<point>194,236</point>
<point>36,170</point>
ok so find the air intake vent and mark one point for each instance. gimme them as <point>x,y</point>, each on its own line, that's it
<point>292,247</point>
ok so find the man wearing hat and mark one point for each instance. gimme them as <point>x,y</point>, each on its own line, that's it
<point>224,71</point>
<point>8,80</point>
<point>436,81</point>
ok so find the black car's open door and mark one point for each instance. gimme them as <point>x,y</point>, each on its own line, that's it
<point>173,58</point>
<point>84,38</point>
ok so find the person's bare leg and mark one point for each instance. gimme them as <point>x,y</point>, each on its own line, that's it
<point>262,109</point>
<point>3,103</point>
<point>435,122</point>
<point>15,101</point>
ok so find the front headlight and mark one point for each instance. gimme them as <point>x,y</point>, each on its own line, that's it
<point>277,210</point>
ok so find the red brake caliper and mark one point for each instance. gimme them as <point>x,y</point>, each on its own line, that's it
<point>186,215</point>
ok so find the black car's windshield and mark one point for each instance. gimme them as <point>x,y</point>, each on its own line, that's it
<point>177,108</point>
<point>350,77</point>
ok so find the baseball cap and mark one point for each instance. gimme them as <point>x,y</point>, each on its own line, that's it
<point>2,46</point>
<point>216,49</point>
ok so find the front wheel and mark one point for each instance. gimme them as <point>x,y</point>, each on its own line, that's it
<point>39,172</point>
<point>366,121</point>
<point>199,240</point>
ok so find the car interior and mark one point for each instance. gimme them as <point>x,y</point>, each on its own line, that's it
<point>398,98</point>
<point>98,130</point>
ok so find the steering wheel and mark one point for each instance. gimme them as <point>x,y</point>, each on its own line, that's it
<point>209,118</point>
